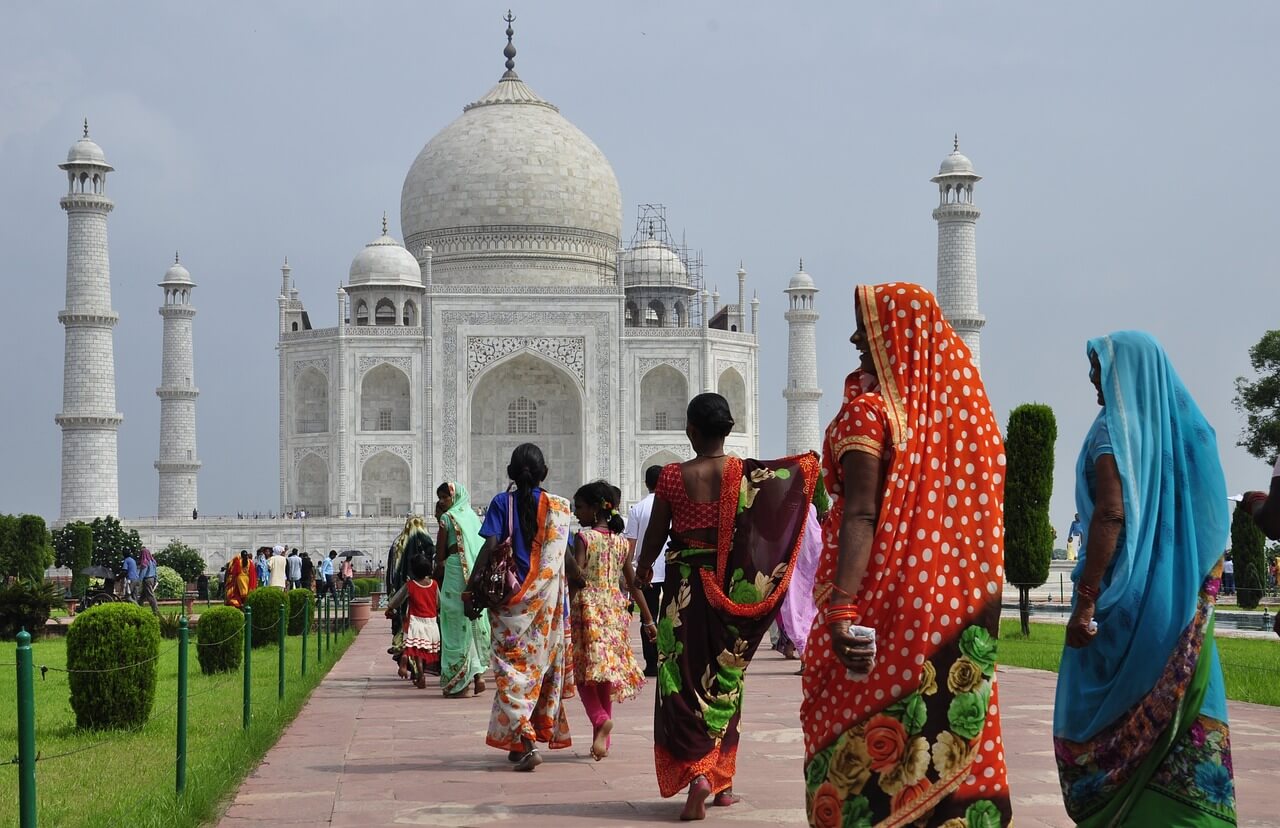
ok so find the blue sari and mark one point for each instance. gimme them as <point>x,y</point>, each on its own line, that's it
<point>1140,719</point>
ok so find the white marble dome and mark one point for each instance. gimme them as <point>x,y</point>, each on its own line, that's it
<point>177,274</point>
<point>956,164</point>
<point>802,281</point>
<point>384,261</point>
<point>653,263</point>
<point>512,192</point>
<point>85,151</point>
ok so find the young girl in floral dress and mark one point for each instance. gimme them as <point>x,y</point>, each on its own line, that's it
<point>421,627</point>
<point>604,665</point>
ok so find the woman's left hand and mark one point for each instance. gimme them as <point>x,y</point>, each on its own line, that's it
<point>650,631</point>
<point>1081,629</point>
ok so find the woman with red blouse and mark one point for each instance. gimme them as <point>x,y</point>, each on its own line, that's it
<point>735,527</point>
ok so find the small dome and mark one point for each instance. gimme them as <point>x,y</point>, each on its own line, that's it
<point>177,273</point>
<point>85,152</point>
<point>956,164</point>
<point>652,263</point>
<point>801,281</point>
<point>384,261</point>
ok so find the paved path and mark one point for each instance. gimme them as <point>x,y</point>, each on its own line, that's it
<point>369,750</point>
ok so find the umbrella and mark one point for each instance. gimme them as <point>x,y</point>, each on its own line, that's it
<point>353,553</point>
<point>97,572</point>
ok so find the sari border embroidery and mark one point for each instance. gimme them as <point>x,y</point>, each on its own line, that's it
<point>894,403</point>
<point>535,550</point>
<point>859,443</point>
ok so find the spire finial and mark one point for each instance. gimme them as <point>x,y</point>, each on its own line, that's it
<point>955,143</point>
<point>286,262</point>
<point>650,228</point>
<point>86,127</point>
<point>510,51</point>
<point>175,257</point>
<point>802,262</point>
<point>384,222</point>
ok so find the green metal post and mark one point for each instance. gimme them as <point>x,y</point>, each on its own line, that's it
<point>180,781</point>
<point>1062,592</point>
<point>306,622</point>
<point>325,621</point>
<point>280,640</point>
<point>248,666</point>
<point>26,734</point>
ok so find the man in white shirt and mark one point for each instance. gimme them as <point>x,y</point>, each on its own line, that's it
<point>294,568</point>
<point>637,523</point>
<point>278,567</point>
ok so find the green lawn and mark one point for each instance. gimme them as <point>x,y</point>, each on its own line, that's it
<point>1249,666</point>
<point>127,778</point>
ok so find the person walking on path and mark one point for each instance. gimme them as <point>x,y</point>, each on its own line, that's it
<point>325,583</point>
<point>132,580</point>
<point>529,652</point>
<point>736,528</point>
<point>147,575</point>
<point>421,595</point>
<point>1140,718</point>
<point>1074,534</point>
<point>604,665</point>
<point>464,643</point>
<point>264,572</point>
<point>637,523</point>
<point>900,708</point>
<point>277,568</point>
<point>308,569</point>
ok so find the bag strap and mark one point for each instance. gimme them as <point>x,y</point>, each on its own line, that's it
<point>511,511</point>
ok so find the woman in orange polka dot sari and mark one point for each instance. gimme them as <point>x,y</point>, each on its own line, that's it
<point>900,709</point>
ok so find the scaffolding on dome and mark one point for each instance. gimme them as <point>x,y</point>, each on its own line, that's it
<point>683,272</point>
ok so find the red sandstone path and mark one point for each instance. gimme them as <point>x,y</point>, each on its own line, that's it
<point>369,750</point>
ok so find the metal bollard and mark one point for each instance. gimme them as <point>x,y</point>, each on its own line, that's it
<point>26,734</point>
<point>184,633</point>
<point>284,616</point>
<point>306,622</point>
<point>248,666</point>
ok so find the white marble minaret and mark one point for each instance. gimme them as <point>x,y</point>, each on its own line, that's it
<point>957,219</point>
<point>89,420</point>
<point>177,392</point>
<point>802,392</point>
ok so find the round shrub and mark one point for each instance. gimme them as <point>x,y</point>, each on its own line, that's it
<point>266,603</point>
<point>112,653</point>
<point>220,640</point>
<point>364,586</point>
<point>298,614</point>
<point>169,584</point>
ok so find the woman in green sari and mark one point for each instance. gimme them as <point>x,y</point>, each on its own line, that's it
<point>464,644</point>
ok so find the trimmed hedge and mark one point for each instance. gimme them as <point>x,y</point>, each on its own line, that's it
<point>266,603</point>
<point>364,586</point>
<point>298,616</point>
<point>112,654</point>
<point>220,640</point>
<point>169,584</point>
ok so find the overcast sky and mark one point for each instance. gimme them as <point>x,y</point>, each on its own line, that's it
<point>1124,149</point>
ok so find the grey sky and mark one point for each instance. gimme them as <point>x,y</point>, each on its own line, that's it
<point>1124,152</point>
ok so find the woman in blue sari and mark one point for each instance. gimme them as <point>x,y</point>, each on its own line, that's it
<point>1140,720</point>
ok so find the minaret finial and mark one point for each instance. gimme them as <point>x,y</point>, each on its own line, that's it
<point>286,261</point>
<point>384,222</point>
<point>86,127</point>
<point>650,228</point>
<point>510,51</point>
<point>802,262</point>
<point>175,257</point>
<point>955,143</point>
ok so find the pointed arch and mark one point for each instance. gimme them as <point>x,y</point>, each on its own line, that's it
<point>733,388</point>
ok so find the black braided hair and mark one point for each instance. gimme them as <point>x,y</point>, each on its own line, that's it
<point>604,498</point>
<point>527,470</point>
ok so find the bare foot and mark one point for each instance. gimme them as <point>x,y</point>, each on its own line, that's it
<point>404,670</point>
<point>600,744</point>
<point>479,685</point>
<point>695,807</point>
<point>726,798</point>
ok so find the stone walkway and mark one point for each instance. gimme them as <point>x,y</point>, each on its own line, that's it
<point>369,750</point>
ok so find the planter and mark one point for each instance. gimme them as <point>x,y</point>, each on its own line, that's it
<point>72,603</point>
<point>377,598</point>
<point>360,610</point>
<point>188,602</point>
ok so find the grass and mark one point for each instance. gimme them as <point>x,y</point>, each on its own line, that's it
<point>127,778</point>
<point>1249,665</point>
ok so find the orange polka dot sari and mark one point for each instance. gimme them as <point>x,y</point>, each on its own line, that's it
<point>918,741</point>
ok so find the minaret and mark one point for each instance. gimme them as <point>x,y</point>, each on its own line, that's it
<point>177,392</point>
<point>957,252</point>
<point>89,420</point>
<point>802,392</point>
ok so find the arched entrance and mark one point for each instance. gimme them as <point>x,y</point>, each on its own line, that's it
<point>525,399</point>
<point>311,486</point>
<point>385,486</point>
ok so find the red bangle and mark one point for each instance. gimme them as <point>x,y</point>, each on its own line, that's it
<point>841,612</point>
<point>1087,592</point>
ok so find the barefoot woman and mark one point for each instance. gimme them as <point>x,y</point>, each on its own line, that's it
<point>735,527</point>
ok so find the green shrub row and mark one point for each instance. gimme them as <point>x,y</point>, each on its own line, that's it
<point>112,653</point>
<point>220,640</point>
<point>299,614</point>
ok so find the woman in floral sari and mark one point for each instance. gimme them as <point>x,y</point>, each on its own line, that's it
<point>736,528</point>
<point>464,644</point>
<point>531,666</point>
<point>900,708</point>
<point>1140,720</point>
<point>242,578</point>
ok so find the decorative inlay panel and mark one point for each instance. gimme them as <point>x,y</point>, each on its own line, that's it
<point>681,450</point>
<point>404,450</point>
<point>321,365</point>
<point>647,364</point>
<point>368,363</point>
<point>569,351</point>
<point>300,452</point>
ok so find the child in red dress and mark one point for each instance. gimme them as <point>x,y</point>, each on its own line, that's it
<point>421,630</point>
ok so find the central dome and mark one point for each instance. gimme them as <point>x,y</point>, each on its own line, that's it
<point>511,192</point>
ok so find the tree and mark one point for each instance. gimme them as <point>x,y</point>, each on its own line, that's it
<point>1028,535</point>
<point>1248,552</point>
<point>81,555</point>
<point>8,551</point>
<point>111,541</point>
<point>25,550</point>
<point>1259,400</point>
<point>182,559</point>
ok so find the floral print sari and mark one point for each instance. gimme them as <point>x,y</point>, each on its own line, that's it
<point>918,741</point>
<point>532,665</point>
<point>717,604</point>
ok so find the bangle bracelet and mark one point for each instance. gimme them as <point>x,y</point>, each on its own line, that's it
<point>1087,592</point>
<point>841,612</point>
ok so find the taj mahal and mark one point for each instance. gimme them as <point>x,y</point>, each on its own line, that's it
<point>515,309</point>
